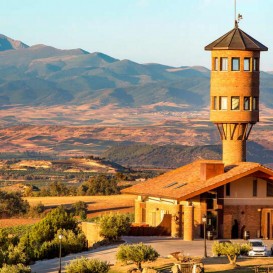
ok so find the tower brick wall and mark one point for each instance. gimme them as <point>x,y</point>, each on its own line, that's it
<point>234,124</point>
<point>234,151</point>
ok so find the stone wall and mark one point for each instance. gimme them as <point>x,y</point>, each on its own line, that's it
<point>92,232</point>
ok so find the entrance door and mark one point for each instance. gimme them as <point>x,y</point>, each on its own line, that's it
<point>267,223</point>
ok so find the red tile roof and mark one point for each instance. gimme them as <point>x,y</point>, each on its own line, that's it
<point>185,182</point>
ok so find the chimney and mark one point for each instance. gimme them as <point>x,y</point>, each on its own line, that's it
<point>210,169</point>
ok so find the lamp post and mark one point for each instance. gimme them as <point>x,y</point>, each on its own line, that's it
<point>260,228</point>
<point>204,220</point>
<point>60,254</point>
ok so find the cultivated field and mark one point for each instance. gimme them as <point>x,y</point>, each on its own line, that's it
<point>97,205</point>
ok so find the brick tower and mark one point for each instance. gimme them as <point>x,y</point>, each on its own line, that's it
<point>234,90</point>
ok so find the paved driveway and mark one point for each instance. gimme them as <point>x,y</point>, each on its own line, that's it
<point>164,246</point>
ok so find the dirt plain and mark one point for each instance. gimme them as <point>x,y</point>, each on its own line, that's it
<point>85,129</point>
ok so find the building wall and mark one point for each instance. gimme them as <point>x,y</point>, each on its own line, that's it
<point>244,207</point>
<point>248,218</point>
<point>185,220</point>
<point>241,193</point>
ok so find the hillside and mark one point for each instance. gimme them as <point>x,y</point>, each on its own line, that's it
<point>174,156</point>
<point>71,165</point>
<point>7,43</point>
<point>43,75</point>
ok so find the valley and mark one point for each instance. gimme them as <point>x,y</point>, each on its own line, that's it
<point>112,126</point>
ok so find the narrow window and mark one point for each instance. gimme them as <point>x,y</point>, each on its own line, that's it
<point>215,64</point>
<point>223,103</point>
<point>256,64</point>
<point>255,103</point>
<point>246,64</point>
<point>235,64</point>
<point>246,103</point>
<point>269,189</point>
<point>214,103</point>
<point>235,103</point>
<point>224,64</point>
<point>255,187</point>
<point>228,189</point>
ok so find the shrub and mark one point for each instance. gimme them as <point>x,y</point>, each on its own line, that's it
<point>19,268</point>
<point>245,248</point>
<point>85,265</point>
<point>113,226</point>
<point>136,253</point>
<point>37,210</point>
<point>16,255</point>
<point>42,240</point>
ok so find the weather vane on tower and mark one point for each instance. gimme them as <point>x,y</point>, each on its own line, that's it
<point>237,17</point>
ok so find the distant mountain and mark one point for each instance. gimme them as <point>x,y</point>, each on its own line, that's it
<point>44,75</point>
<point>7,43</point>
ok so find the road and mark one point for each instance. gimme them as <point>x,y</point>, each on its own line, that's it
<point>164,246</point>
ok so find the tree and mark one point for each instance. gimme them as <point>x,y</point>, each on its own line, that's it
<point>231,250</point>
<point>85,265</point>
<point>58,189</point>
<point>100,185</point>
<point>11,203</point>
<point>113,226</point>
<point>80,209</point>
<point>136,253</point>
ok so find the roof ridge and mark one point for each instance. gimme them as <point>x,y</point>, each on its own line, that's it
<point>267,168</point>
<point>234,31</point>
<point>242,38</point>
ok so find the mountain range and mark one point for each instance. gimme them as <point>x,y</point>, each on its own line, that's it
<point>44,75</point>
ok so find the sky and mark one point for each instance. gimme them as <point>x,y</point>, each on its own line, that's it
<point>170,32</point>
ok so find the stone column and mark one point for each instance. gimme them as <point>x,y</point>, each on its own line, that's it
<point>138,211</point>
<point>188,223</point>
<point>176,222</point>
